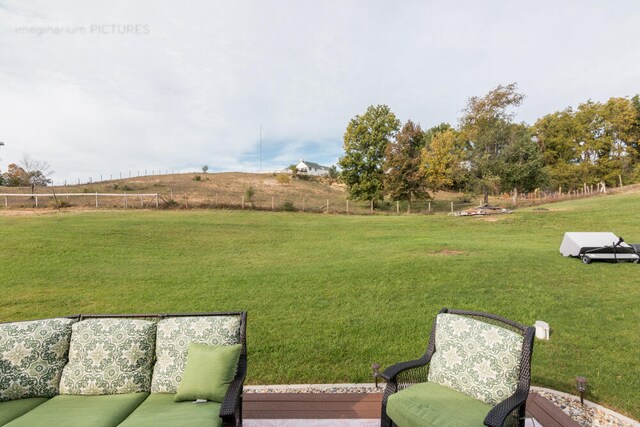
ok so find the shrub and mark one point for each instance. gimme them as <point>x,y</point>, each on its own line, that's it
<point>170,204</point>
<point>197,178</point>
<point>61,204</point>
<point>283,179</point>
<point>249,194</point>
<point>288,207</point>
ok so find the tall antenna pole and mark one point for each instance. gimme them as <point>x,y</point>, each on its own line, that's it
<point>260,148</point>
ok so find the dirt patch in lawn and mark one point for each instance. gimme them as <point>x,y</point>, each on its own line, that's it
<point>447,252</point>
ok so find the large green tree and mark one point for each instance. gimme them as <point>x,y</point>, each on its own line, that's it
<point>365,143</point>
<point>521,166</point>
<point>486,127</point>
<point>596,142</point>
<point>404,178</point>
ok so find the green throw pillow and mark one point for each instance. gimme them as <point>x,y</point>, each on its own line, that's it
<point>209,372</point>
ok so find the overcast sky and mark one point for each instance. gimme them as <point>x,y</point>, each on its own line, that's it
<point>104,87</point>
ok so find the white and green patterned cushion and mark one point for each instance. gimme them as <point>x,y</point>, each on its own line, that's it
<point>32,356</point>
<point>476,358</point>
<point>173,337</point>
<point>109,356</point>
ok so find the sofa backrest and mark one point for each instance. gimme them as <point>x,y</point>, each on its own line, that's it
<point>32,357</point>
<point>110,353</point>
<point>175,333</point>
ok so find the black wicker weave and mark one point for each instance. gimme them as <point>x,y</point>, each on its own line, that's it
<point>231,409</point>
<point>509,412</point>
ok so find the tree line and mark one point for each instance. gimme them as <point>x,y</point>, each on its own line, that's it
<point>488,152</point>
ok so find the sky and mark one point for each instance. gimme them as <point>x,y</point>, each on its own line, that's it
<point>117,87</point>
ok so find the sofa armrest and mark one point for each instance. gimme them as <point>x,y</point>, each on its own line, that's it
<point>231,410</point>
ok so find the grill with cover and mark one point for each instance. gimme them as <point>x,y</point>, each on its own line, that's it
<point>602,246</point>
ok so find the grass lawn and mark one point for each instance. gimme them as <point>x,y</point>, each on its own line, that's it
<point>329,295</point>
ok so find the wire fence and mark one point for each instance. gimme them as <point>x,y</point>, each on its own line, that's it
<point>140,173</point>
<point>263,201</point>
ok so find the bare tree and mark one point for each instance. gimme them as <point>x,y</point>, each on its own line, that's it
<point>37,170</point>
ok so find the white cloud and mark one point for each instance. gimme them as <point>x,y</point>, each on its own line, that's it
<point>192,82</point>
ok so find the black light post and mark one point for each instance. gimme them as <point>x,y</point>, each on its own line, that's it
<point>375,369</point>
<point>581,386</point>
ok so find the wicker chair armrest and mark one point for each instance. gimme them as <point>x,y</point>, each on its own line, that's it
<point>231,408</point>
<point>393,371</point>
<point>499,413</point>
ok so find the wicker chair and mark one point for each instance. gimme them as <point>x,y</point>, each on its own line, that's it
<point>509,411</point>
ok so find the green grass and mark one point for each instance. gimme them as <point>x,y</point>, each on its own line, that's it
<point>329,295</point>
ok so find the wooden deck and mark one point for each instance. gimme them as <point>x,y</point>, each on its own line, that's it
<point>318,406</point>
<point>311,406</point>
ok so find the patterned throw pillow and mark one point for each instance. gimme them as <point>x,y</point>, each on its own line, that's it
<point>109,356</point>
<point>32,355</point>
<point>476,358</point>
<point>173,338</point>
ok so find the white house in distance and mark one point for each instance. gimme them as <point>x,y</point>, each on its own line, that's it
<point>310,168</point>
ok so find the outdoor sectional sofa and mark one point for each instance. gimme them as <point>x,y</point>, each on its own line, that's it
<point>123,370</point>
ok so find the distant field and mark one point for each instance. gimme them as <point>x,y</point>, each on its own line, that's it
<point>195,190</point>
<point>328,295</point>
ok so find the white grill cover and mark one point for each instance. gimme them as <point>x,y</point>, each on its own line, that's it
<point>573,242</point>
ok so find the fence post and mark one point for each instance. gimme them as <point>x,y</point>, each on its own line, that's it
<point>157,201</point>
<point>303,204</point>
<point>429,207</point>
<point>347,206</point>
<point>36,201</point>
<point>125,201</point>
<point>620,180</point>
<point>141,202</point>
<point>372,206</point>
<point>96,199</point>
<point>327,205</point>
<point>397,207</point>
<point>6,201</point>
<point>451,207</point>
<point>242,202</point>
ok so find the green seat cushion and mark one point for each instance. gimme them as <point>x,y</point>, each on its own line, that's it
<point>13,409</point>
<point>160,410</point>
<point>209,372</point>
<point>430,404</point>
<point>81,411</point>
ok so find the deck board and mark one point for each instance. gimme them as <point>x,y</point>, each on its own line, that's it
<point>311,405</point>
<point>319,406</point>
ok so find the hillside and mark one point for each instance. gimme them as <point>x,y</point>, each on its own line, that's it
<point>227,190</point>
